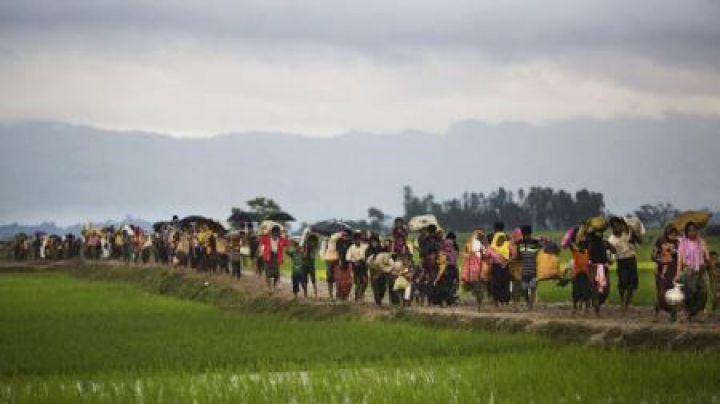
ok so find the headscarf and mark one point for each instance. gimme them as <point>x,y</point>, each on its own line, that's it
<point>450,252</point>
<point>503,250</point>
<point>669,229</point>
<point>472,244</point>
<point>517,235</point>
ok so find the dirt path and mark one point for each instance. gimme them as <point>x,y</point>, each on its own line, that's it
<point>638,326</point>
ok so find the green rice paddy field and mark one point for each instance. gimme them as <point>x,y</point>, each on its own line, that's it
<point>67,340</point>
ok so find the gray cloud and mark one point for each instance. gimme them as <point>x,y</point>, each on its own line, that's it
<point>682,32</point>
<point>323,67</point>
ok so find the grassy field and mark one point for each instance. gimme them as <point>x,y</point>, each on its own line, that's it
<point>69,340</point>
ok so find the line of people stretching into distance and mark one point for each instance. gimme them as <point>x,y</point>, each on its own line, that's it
<point>428,269</point>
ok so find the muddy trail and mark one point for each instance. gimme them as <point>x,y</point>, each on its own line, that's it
<point>639,326</point>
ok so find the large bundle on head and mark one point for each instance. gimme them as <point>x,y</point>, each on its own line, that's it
<point>418,223</point>
<point>331,253</point>
<point>597,223</point>
<point>700,218</point>
<point>267,225</point>
<point>635,225</point>
<point>381,262</point>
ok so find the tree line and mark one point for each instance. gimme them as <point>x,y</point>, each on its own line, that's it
<point>544,208</point>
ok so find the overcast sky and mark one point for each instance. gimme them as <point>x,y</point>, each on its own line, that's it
<point>322,68</point>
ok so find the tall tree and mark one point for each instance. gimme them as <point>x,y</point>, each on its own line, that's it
<point>262,206</point>
<point>658,215</point>
<point>377,219</point>
<point>588,204</point>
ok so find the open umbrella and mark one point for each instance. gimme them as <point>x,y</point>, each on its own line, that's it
<point>158,226</point>
<point>699,217</point>
<point>239,216</point>
<point>235,233</point>
<point>329,227</point>
<point>214,226</point>
<point>280,217</point>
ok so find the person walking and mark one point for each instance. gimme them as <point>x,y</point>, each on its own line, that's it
<point>299,276</point>
<point>309,251</point>
<point>597,248</point>
<point>272,247</point>
<point>355,257</point>
<point>475,270</point>
<point>624,242</point>
<point>665,256</point>
<point>527,249</point>
<point>500,275</point>
<point>342,273</point>
<point>376,259</point>
<point>692,256</point>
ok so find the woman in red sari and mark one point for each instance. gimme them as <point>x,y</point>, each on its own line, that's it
<point>342,273</point>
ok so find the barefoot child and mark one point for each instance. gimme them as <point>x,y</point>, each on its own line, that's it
<point>299,275</point>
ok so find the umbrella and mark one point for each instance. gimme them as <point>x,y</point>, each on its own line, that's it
<point>158,226</point>
<point>238,216</point>
<point>418,223</point>
<point>280,217</point>
<point>214,226</point>
<point>329,227</point>
<point>700,218</point>
<point>235,233</point>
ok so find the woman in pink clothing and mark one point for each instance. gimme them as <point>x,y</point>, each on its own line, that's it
<point>692,255</point>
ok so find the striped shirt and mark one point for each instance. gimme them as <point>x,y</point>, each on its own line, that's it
<point>528,250</point>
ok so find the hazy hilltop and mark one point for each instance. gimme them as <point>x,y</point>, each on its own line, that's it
<point>55,171</point>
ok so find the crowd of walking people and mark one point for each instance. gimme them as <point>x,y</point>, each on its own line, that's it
<point>428,268</point>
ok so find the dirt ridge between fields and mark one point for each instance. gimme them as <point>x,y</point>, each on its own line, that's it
<point>556,321</point>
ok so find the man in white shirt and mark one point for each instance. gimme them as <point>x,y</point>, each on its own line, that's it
<point>356,256</point>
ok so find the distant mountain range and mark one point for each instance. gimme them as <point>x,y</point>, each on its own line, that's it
<point>70,174</point>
